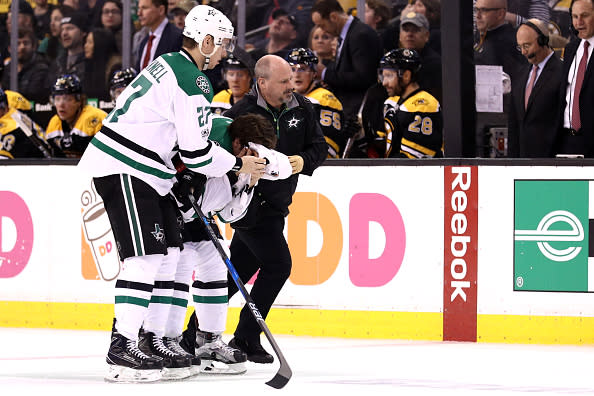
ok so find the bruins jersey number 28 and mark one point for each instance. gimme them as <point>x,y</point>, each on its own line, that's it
<point>413,126</point>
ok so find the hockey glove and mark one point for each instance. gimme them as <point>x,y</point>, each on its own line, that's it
<point>188,182</point>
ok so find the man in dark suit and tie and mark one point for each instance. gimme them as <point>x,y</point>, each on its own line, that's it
<point>536,95</point>
<point>163,37</point>
<point>357,56</point>
<point>577,128</point>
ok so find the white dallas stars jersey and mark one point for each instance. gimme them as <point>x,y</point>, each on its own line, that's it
<point>167,105</point>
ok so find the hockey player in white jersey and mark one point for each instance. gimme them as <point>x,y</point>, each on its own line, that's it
<point>166,106</point>
<point>228,197</point>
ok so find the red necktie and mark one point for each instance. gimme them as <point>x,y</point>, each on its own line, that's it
<point>530,86</point>
<point>147,55</point>
<point>576,122</point>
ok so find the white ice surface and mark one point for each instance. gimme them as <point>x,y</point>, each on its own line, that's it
<point>59,362</point>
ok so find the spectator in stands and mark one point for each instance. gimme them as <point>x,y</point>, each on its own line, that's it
<point>73,31</point>
<point>327,107</point>
<point>432,11</point>
<point>26,17</point>
<point>51,46</point>
<point>520,10</point>
<point>180,10</point>
<point>414,34</point>
<point>536,94</point>
<point>32,69</point>
<point>497,41</point>
<point>323,44</point>
<point>377,16</point>
<point>282,32</point>
<point>111,18</point>
<point>75,123</point>
<point>74,4</point>
<point>357,57</point>
<point>101,61</point>
<point>259,13</point>
<point>93,10</point>
<point>238,75</point>
<point>163,36</point>
<point>42,12</point>
<point>577,133</point>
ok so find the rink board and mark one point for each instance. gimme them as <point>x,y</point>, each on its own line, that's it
<point>378,252</point>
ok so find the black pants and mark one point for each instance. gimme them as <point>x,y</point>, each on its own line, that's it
<point>261,248</point>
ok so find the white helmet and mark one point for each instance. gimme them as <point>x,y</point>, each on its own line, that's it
<point>204,20</point>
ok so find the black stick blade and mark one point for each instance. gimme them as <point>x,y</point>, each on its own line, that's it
<point>280,379</point>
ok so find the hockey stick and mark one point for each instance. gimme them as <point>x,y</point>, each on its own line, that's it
<point>284,372</point>
<point>26,125</point>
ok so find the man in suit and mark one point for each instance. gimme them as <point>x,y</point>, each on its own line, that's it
<point>536,94</point>
<point>357,55</point>
<point>163,36</point>
<point>577,128</point>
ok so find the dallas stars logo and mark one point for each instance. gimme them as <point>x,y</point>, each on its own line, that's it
<point>293,122</point>
<point>202,83</point>
<point>158,233</point>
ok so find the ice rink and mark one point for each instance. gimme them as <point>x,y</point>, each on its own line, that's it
<point>61,362</point>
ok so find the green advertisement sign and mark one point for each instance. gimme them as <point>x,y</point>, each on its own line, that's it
<point>551,235</point>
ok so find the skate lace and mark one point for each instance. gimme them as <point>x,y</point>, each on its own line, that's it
<point>134,351</point>
<point>173,344</point>
<point>160,346</point>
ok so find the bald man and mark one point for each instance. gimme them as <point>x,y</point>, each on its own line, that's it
<point>536,95</point>
<point>497,42</point>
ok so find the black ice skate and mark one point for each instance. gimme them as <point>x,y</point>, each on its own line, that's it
<point>175,366</point>
<point>127,363</point>
<point>173,344</point>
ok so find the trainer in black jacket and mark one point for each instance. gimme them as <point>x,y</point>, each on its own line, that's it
<point>258,242</point>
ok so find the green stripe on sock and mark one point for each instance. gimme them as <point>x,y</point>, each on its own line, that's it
<point>132,300</point>
<point>211,299</point>
<point>181,302</point>
<point>161,300</point>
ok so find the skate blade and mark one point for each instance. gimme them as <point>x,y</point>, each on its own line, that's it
<point>176,373</point>
<point>216,367</point>
<point>122,374</point>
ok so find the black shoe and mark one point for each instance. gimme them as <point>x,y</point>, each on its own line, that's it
<point>152,345</point>
<point>188,341</point>
<point>253,349</point>
<point>124,352</point>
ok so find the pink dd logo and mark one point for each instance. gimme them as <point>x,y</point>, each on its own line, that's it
<point>374,272</point>
<point>16,234</point>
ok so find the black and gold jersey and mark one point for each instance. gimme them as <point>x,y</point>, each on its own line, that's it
<point>14,143</point>
<point>331,116</point>
<point>414,126</point>
<point>72,142</point>
<point>221,102</point>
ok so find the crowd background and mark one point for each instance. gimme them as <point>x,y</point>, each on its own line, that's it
<point>84,38</point>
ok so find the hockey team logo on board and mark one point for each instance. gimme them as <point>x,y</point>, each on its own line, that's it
<point>99,253</point>
<point>551,235</point>
<point>202,83</point>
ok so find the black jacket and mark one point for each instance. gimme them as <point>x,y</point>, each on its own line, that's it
<point>299,133</point>
<point>533,130</point>
<point>356,68</point>
<point>583,143</point>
